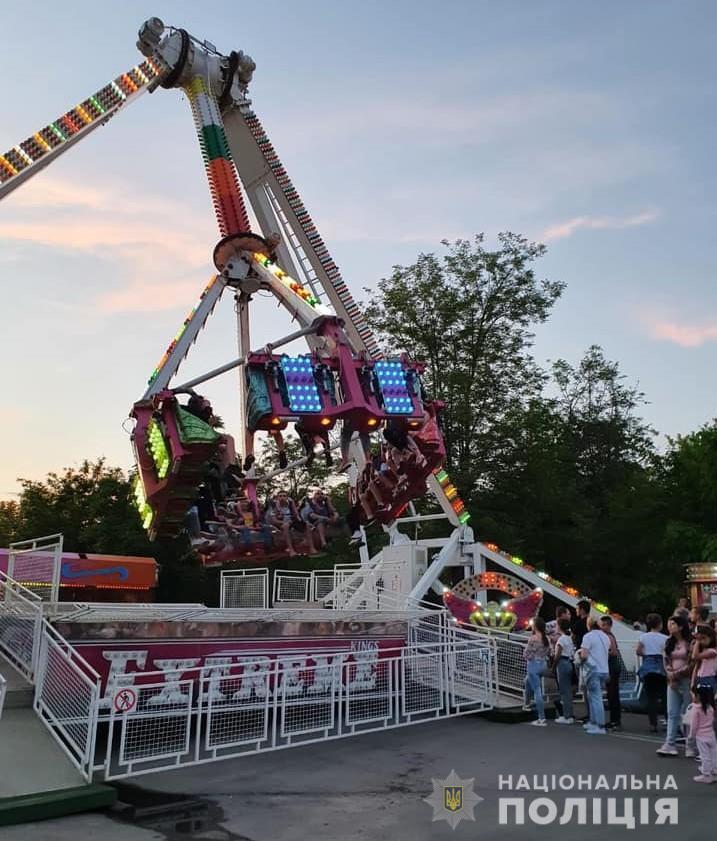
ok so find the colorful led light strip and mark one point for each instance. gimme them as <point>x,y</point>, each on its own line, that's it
<point>173,344</point>
<point>221,173</point>
<point>313,236</point>
<point>287,280</point>
<point>93,109</point>
<point>451,492</point>
<point>571,591</point>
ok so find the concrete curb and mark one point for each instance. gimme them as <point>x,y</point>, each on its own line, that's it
<point>55,804</point>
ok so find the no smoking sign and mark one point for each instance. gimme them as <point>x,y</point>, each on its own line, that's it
<point>125,700</point>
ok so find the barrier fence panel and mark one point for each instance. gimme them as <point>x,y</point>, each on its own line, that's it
<point>373,587</point>
<point>3,690</point>
<point>322,583</point>
<point>225,710</point>
<point>511,664</point>
<point>67,695</point>
<point>244,588</point>
<point>20,625</point>
<point>292,586</point>
<point>37,564</point>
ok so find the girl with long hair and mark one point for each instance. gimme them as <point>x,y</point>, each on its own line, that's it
<point>536,655</point>
<point>677,671</point>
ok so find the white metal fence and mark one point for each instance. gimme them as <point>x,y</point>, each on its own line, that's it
<point>248,588</point>
<point>368,587</point>
<point>511,664</point>
<point>228,710</point>
<point>20,622</point>
<point>67,695</point>
<point>37,565</point>
<point>322,583</point>
<point>292,586</point>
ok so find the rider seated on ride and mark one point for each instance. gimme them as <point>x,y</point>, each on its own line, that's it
<point>249,523</point>
<point>385,477</point>
<point>201,408</point>
<point>233,480</point>
<point>281,513</point>
<point>318,511</point>
<point>310,439</point>
<point>402,451</point>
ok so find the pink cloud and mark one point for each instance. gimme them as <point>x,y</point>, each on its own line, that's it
<point>566,229</point>
<point>684,335</point>
<point>162,251</point>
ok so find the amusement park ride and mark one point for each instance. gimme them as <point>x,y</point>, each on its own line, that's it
<point>343,379</point>
<point>187,683</point>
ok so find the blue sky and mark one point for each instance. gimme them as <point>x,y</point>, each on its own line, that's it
<point>588,126</point>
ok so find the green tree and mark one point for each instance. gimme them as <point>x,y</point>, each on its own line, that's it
<point>578,493</point>
<point>689,479</point>
<point>9,514</point>
<point>469,314</point>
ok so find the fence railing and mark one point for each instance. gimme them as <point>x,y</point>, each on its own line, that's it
<point>37,563</point>
<point>371,587</point>
<point>222,711</point>
<point>244,588</point>
<point>292,586</point>
<point>3,691</point>
<point>67,695</point>
<point>20,624</point>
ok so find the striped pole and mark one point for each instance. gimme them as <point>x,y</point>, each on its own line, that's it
<point>221,172</point>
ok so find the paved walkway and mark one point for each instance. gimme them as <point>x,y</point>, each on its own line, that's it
<point>30,759</point>
<point>372,787</point>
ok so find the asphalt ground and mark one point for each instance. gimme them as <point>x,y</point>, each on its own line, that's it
<point>373,787</point>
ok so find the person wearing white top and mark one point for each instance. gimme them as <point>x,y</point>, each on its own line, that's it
<point>651,648</point>
<point>594,655</point>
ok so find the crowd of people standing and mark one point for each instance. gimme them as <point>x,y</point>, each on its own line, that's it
<point>678,672</point>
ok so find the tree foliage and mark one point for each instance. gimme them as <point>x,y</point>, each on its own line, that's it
<point>469,315</point>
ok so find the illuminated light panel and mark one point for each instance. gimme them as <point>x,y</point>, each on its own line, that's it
<point>158,448</point>
<point>140,500</point>
<point>394,389</point>
<point>300,383</point>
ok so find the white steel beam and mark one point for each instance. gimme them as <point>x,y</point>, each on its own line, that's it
<point>187,337</point>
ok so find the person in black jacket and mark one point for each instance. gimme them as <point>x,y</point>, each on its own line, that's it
<point>614,669</point>
<point>580,625</point>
